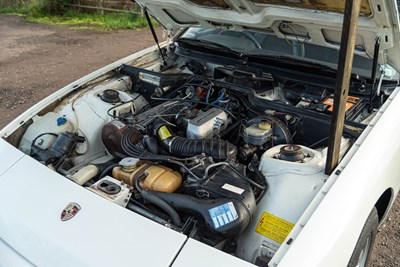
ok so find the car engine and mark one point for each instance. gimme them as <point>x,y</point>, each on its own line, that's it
<point>214,156</point>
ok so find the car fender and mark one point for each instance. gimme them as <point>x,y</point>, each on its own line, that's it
<point>371,167</point>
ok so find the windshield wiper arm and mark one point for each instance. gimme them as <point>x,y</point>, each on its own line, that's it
<point>299,62</point>
<point>292,61</point>
<point>209,45</point>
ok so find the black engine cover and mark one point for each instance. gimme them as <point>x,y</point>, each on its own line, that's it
<point>224,183</point>
<point>227,205</point>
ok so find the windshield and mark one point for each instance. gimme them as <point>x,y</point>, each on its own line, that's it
<point>264,44</point>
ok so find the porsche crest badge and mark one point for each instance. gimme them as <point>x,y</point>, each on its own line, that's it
<point>70,211</point>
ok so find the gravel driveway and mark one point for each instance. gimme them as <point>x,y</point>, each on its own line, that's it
<point>36,60</point>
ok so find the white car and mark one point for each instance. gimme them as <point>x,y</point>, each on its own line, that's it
<point>214,148</point>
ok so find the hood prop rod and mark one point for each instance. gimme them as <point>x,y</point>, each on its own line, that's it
<point>373,73</point>
<point>153,32</point>
<point>345,65</point>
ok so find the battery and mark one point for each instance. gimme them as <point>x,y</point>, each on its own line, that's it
<point>354,106</point>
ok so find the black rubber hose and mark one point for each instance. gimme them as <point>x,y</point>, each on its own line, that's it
<point>102,166</point>
<point>217,148</point>
<point>149,215</point>
<point>231,128</point>
<point>151,144</point>
<point>262,187</point>
<point>106,170</point>
<point>184,147</point>
<point>260,176</point>
<point>150,197</point>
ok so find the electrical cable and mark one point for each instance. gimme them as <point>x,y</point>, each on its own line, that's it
<point>300,43</point>
<point>40,135</point>
<point>216,101</point>
<point>193,101</point>
<point>114,107</point>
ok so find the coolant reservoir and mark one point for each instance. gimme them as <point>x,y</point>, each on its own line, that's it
<point>158,177</point>
<point>295,174</point>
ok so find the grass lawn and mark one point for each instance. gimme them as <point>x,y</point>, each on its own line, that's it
<point>77,20</point>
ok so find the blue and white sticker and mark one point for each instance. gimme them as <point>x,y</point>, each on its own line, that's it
<point>223,214</point>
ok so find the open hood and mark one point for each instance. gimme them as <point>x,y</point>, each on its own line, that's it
<point>319,20</point>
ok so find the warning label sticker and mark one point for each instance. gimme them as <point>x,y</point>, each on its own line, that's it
<point>273,227</point>
<point>223,214</point>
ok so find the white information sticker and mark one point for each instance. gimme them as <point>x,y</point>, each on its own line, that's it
<point>233,189</point>
<point>118,124</point>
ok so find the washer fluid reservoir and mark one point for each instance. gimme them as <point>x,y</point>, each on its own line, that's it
<point>49,123</point>
<point>295,174</point>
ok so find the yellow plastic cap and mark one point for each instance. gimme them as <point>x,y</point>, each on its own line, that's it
<point>264,125</point>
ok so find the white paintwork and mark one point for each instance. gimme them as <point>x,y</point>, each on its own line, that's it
<point>9,155</point>
<point>197,254</point>
<point>101,234</point>
<point>9,257</point>
<point>331,225</point>
<point>292,186</point>
<point>320,25</point>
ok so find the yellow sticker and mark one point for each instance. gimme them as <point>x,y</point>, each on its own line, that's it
<point>273,227</point>
<point>164,133</point>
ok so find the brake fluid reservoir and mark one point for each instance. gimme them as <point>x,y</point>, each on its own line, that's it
<point>258,133</point>
<point>295,174</point>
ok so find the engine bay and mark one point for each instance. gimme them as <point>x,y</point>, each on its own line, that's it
<point>230,156</point>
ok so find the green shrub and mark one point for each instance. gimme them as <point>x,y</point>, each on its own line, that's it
<point>24,10</point>
<point>50,7</point>
<point>103,22</point>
